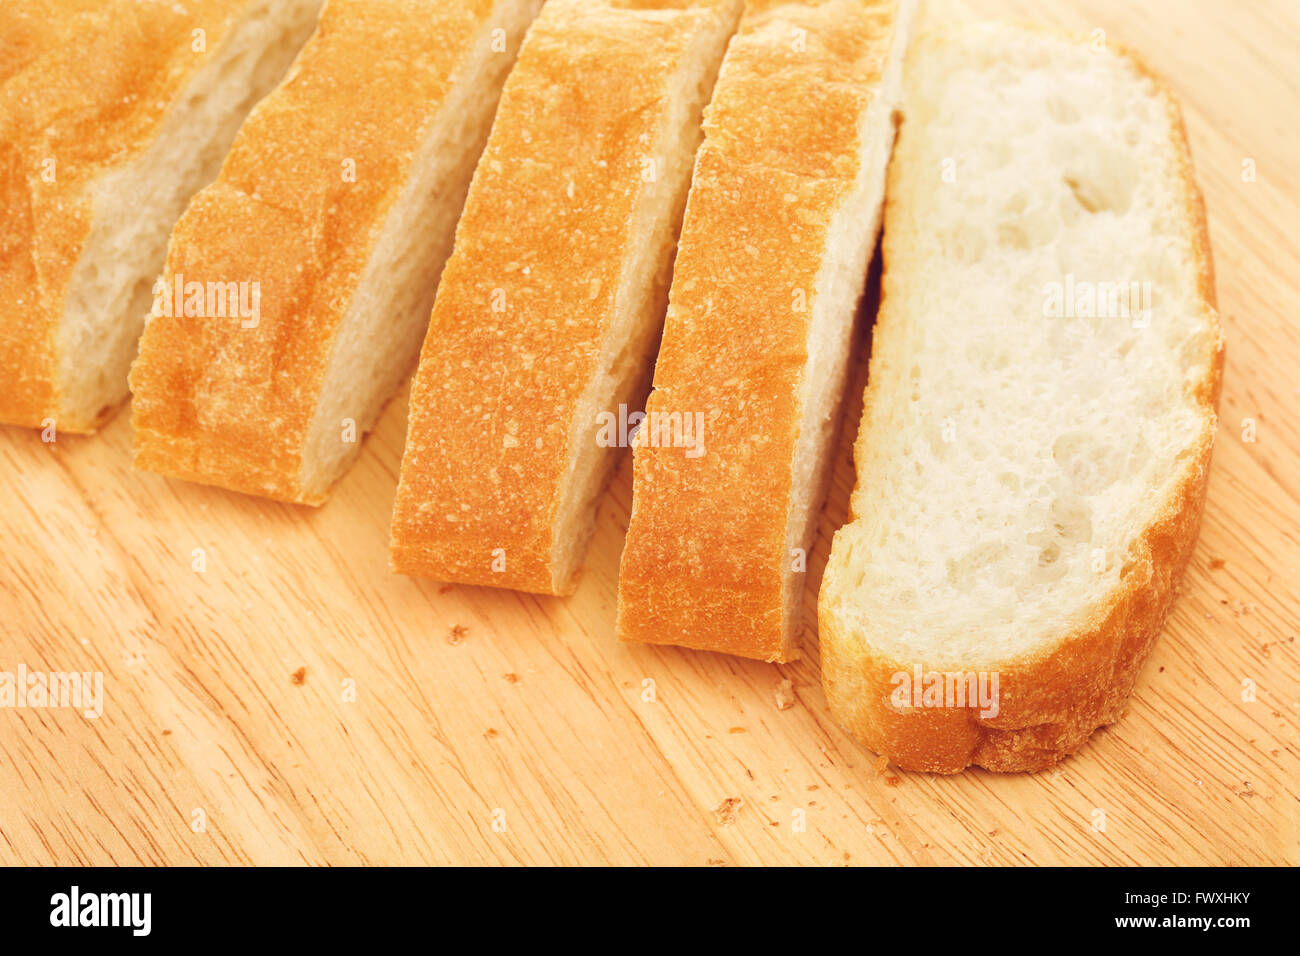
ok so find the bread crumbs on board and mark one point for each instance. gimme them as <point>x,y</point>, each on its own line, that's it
<point>882,770</point>
<point>785,698</point>
<point>726,811</point>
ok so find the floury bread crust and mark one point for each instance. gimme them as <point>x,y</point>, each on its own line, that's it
<point>339,202</point>
<point>780,226</point>
<point>1030,483</point>
<point>112,114</point>
<point>551,306</point>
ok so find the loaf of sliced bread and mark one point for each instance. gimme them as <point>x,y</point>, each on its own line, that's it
<point>551,306</point>
<point>330,223</point>
<point>112,114</point>
<point>780,226</point>
<point>1040,410</point>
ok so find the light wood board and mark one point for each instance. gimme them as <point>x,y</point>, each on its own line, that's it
<point>492,727</point>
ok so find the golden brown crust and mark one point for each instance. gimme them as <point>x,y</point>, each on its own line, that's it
<point>1052,701</point>
<point>85,84</point>
<point>705,559</point>
<point>529,292</point>
<point>222,404</point>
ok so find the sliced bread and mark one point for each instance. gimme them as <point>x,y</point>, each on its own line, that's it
<point>112,114</point>
<point>1040,409</point>
<point>330,223</point>
<point>551,307</point>
<point>780,226</point>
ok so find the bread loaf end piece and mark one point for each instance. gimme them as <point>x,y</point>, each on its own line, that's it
<point>112,115</point>
<point>1040,411</point>
<point>780,226</point>
<point>552,304</point>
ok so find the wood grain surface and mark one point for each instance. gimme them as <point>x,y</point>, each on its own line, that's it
<point>294,702</point>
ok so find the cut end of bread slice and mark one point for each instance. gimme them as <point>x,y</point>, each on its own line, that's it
<point>1040,410</point>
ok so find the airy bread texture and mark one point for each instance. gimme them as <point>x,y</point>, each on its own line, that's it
<point>339,201</point>
<point>112,114</point>
<point>780,226</point>
<point>551,305</point>
<point>1031,466</point>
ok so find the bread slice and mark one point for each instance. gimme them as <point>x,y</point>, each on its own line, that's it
<point>112,114</point>
<point>552,304</point>
<point>780,226</point>
<point>1033,455</point>
<point>338,205</point>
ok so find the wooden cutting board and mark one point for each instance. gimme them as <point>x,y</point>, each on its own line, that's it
<point>294,702</point>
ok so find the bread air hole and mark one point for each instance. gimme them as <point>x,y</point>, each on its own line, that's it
<point>1072,518</point>
<point>1084,196</point>
<point>1012,236</point>
<point>1103,181</point>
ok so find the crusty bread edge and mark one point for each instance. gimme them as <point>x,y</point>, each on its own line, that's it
<point>1051,702</point>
